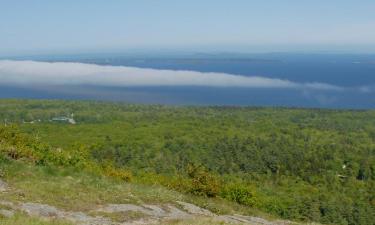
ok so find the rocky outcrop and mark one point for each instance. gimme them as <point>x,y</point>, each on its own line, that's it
<point>153,214</point>
<point>3,186</point>
<point>195,210</point>
<point>147,213</point>
<point>6,213</point>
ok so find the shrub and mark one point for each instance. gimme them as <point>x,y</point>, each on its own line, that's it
<point>203,183</point>
<point>118,173</point>
<point>12,145</point>
<point>244,195</point>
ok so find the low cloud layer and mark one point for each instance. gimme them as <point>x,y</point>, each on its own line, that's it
<point>26,73</point>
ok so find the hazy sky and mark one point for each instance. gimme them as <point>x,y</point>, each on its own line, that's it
<point>71,26</point>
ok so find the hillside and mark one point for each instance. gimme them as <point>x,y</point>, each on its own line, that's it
<point>298,165</point>
<point>47,195</point>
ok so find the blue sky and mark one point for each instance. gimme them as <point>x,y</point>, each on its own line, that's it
<point>73,26</point>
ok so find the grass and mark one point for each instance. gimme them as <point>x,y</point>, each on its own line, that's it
<point>78,191</point>
<point>74,190</point>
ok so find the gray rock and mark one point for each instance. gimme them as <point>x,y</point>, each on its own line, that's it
<point>150,210</point>
<point>260,221</point>
<point>35,209</point>
<point>6,213</point>
<point>193,209</point>
<point>3,186</point>
<point>155,211</point>
<point>175,213</point>
<point>7,204</point>
<point>82,218</point>
<point>154,214</point>
<point>46,211</point>
<point>239,219</point>
<point>142,221</point>
<point>117,208</point>
<point>228,219</point>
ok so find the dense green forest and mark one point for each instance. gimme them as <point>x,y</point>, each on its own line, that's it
<point>298,164</point>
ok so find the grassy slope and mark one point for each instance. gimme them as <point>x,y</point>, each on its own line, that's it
<point>76,191</point>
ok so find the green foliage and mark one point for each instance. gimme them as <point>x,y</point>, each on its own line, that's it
<point>119,173</point>
<point>12,145</point>
<point>17,146</point>
<point>240,193</point>
<point>300,164</point>
<point>203,182</point>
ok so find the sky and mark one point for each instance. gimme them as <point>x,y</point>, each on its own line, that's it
<point>77,26</point>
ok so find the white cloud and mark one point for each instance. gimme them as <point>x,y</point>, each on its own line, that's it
<point>366,89</point>
<point>28,73</point>
<point>323,86</point>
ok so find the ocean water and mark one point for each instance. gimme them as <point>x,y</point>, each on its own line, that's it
<point>354,73</point>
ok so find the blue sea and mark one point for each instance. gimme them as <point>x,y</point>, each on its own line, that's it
<point>354,72</point>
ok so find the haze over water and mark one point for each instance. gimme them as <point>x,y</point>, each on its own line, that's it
<point>315,80</point>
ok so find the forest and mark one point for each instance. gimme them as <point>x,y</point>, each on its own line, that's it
<point>297,164</point>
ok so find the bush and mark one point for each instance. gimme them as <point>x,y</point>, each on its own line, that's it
<point>12,145</point>
<point>203,183</point>
<point>17,146</point>
<point>244,195</point>
<point>118,173</point>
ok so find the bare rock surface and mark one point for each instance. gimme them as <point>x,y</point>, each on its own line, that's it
<point>118,208</point>
<point>195,210</point>
<point>153,214</point>
<point>170,212</point>
<point>175,213</point>
<point>7,204</point>
<point>35,209</point>
<point>6,209</point>
<point>260,221</point>
<point>3,186</point>
<point>6,213</point>
<point>50,212</point>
